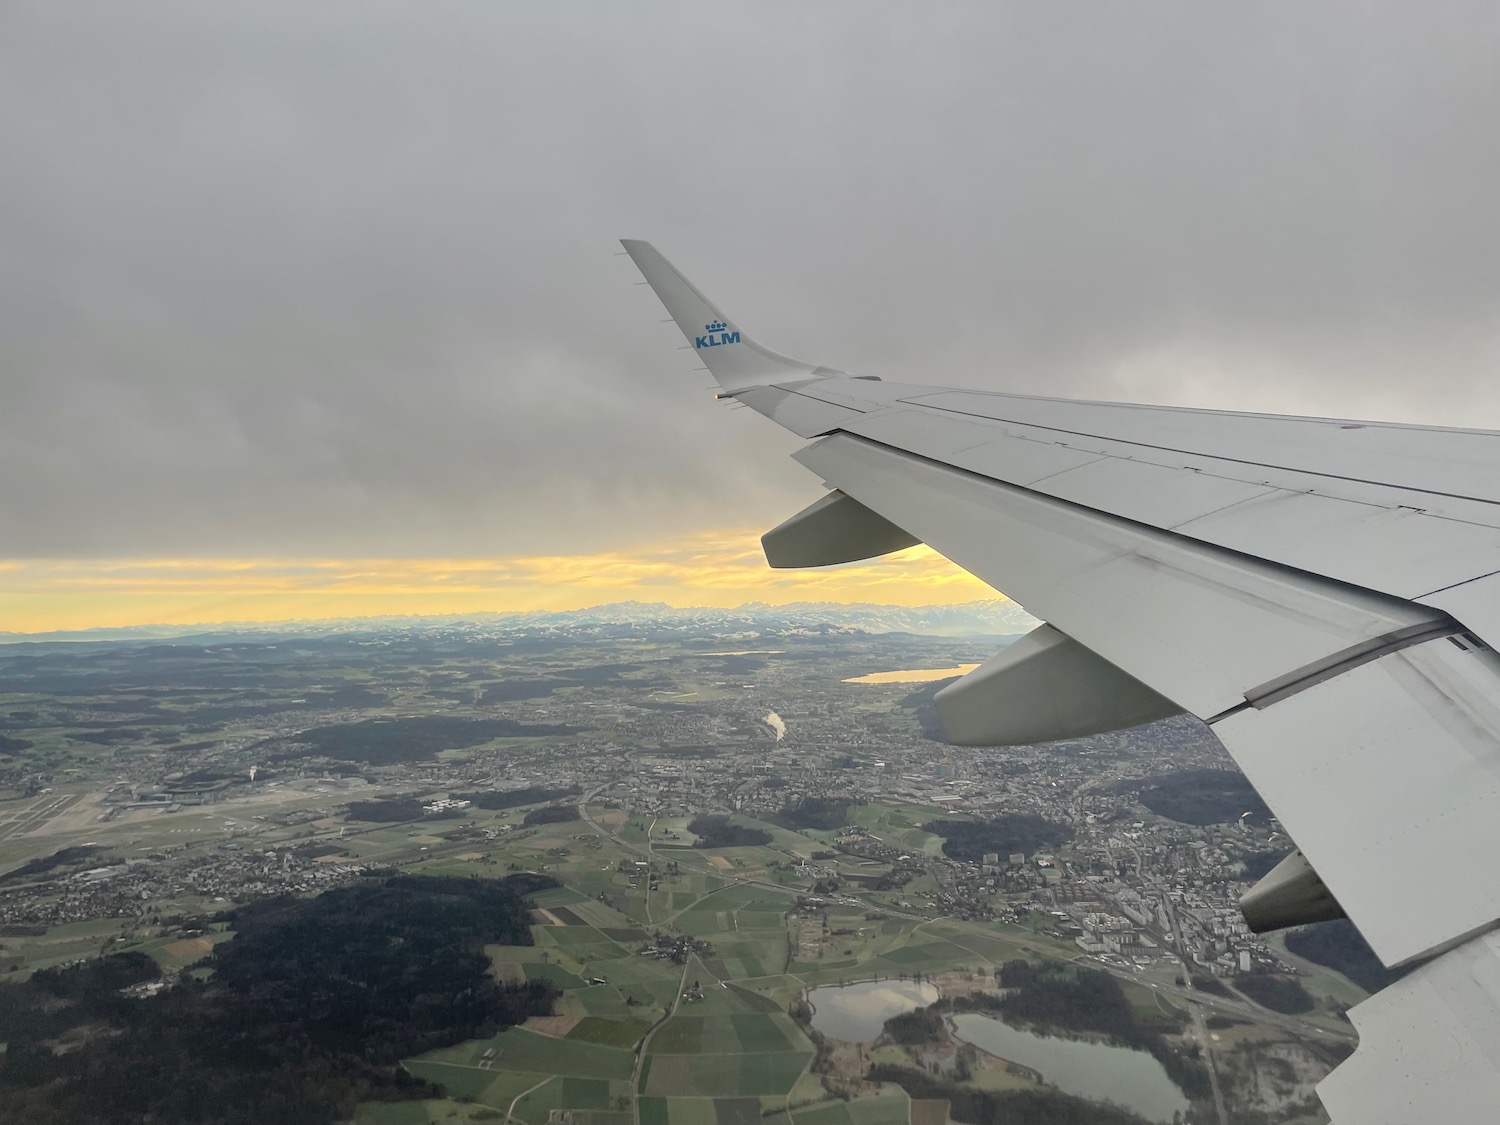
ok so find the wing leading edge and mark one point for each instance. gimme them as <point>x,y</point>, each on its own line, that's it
<point>1325,593</point>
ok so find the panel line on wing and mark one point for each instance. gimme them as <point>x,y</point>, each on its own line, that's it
<point>1059,472</point>
<point>917,401</point>
<point>1456,585</point>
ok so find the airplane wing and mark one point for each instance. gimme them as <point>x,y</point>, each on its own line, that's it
<point>1324,593</point>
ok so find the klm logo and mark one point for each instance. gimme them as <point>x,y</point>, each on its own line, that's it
<point>715,336</point>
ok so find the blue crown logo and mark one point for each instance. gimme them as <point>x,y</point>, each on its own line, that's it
<point>716,334</point>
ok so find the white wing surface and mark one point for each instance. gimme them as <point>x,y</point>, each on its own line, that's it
<point>1325,593</point>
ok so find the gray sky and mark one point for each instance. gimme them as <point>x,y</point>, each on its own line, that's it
<point>339,279</point>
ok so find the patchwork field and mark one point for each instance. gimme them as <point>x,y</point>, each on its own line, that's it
<point>641,917</point>
<point>708,1040</point>
<point>633,1033</point>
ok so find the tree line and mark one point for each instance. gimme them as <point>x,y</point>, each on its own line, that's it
<point>975,1106</point>
<point>720,832</point>
<point>1053,997</point>
<point>1004,834</point>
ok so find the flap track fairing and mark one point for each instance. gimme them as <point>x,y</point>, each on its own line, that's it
<point>1043,688</point>
<point>834,529</point>
<point>1290,894</point>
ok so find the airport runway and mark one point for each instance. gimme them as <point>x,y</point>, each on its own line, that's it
<point>25,817</point>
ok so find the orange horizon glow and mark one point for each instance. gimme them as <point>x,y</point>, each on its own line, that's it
<point>719,569</point>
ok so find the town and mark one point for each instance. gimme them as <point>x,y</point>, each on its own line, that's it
<point>149,788</point>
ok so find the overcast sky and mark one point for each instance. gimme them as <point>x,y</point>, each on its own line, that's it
<point>316,280</point>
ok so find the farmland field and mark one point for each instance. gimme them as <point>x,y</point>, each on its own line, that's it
<point>703,1038</point>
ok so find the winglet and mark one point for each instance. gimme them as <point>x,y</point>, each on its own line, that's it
<point>731,356</point>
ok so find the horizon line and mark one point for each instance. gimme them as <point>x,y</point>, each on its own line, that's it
<point>665,607</point>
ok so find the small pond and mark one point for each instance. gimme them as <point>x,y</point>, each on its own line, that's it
<point>857,1012</point>
<point>1087,1068</point>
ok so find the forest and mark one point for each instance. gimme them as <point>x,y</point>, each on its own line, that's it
<point>515,798</point>
<point>310,1007</point>
<point>1259,864</point>
<point>1273,990</point>
<point>912,1029</point>
<point>718,832</point>
<point>508,691</point>
<point>1053,997</point>
<point>1007,833</point>
<point>1057,998</point>
<point>1342,948</point>
<point>53,1001</point>
<point>550,814</point>
<point>63,857</point>
<point>825,814</point>
<point>1212,985</point>
<point>1073,999</point>
<point>384,742</point>
<point>1206,796</point>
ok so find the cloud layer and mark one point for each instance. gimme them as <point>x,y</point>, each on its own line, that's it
<point>324,281</point>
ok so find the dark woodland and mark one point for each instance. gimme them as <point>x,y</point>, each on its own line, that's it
<point>718,832</point>
<point>309,1009</point>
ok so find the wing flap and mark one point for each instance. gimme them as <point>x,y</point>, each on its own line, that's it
<point>1429,1045</point>
<point>1475,603</point>
<point>1386,776</point>
<point>1197,624</point>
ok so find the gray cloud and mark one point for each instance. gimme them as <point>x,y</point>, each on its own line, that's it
<point>338,279</point>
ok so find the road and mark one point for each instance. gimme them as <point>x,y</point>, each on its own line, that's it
<point>1201,1028</point>
<point>645,1043</point>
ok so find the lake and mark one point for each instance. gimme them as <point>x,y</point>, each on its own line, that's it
<point>912,675</point>
<point>857,1013</point>
<point>1087,1068</point>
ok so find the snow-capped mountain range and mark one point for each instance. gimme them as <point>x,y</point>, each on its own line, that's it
<point>980,618</point>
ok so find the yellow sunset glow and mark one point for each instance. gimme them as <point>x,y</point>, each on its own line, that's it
<point>720,568</point>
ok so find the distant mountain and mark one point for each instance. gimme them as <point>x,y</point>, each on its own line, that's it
<point>988,618</point>
<point>981,618</point>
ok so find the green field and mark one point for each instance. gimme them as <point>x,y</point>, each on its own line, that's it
<point>711,1075</point>
<point>610,1032</point>
<point>732,1056</point>
<point>519,1049</point>
<point>741,1033</point>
